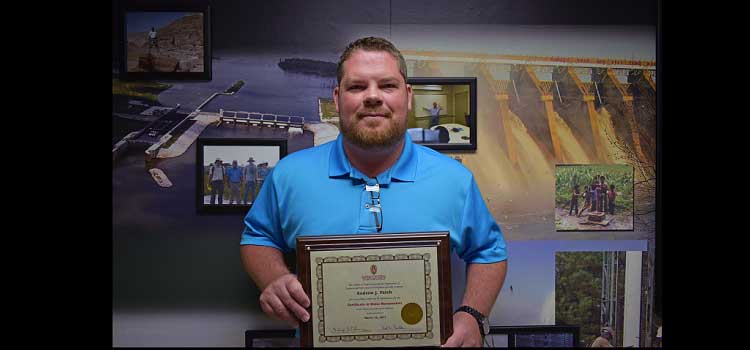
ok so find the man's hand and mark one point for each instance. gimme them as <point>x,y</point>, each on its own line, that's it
<point>465,331</point>
<point>284,299</point>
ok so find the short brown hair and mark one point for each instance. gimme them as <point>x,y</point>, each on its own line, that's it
<point>371,44</point>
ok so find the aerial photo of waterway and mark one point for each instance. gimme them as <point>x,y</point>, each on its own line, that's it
<point>140,202</point>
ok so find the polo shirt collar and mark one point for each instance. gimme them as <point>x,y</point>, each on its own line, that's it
<point>405,168</point>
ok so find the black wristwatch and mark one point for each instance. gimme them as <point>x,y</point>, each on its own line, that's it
<point>484,324</point>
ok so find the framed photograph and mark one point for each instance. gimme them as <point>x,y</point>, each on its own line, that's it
<point>271,338</point>
<point>594,197</point>
<point>230,172</point>
<point>165,40</point>
<point>381,290</point>
<point>443,114</point>
<point>534,337</point>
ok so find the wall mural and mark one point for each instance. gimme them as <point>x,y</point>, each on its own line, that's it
<point>531,118</point>
<point>547,121</point>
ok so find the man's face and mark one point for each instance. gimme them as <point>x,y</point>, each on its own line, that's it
<point>434,105</point>
<point>372,100</point>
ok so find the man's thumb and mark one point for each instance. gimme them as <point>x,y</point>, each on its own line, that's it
<point>453,341</point>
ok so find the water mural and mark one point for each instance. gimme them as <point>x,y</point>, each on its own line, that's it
<point>516,156</point>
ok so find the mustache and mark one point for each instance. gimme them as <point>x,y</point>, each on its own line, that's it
<point>362,114</point>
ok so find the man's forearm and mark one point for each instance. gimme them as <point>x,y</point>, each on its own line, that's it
<point>263,264</point>
<point>483,283</point>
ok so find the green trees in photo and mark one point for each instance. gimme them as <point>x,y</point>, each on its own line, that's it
<point>583,175</point>
<point>578,293</point>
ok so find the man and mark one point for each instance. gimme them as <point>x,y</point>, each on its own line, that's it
<point>216,176</point>
<point>434,113</point>
<point>322,191</point>
<point>574,201</point>
<point>248,174</point>
<point>235,181</point>
<point>603,194</point>
<point>152,40</point>
<point>262,173</point>
<point>602,341</point>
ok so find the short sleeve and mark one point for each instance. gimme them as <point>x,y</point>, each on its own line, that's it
<point>262,223</point>
<point>481,239</point>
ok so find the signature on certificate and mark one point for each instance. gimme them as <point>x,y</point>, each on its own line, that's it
<point>348,329</point>
<point>395,327</point>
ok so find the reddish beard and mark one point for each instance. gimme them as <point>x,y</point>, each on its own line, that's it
<point>368,134</point>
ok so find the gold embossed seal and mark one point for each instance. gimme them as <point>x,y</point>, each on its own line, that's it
<point>411,313</point>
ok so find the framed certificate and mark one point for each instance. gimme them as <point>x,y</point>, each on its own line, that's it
<point>376,290</point>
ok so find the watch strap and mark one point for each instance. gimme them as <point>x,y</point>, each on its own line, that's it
<point>477,315</point>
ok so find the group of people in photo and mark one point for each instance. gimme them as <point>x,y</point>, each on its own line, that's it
<point>598,197</point>
<point>243,181</point>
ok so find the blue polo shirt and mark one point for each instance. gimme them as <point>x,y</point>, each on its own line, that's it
<point>316,191</point>
<point>234,174</point>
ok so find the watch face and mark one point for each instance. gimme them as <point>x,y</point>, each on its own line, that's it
<point>486,326</point>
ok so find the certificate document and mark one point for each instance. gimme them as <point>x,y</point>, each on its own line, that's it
<point>375,297</point>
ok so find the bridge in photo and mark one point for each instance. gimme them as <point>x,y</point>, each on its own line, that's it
<point>261,119</point>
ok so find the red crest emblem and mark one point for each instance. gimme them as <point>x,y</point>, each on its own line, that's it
<point>373,269</point>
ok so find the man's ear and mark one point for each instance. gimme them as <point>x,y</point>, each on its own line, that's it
<point>336,98</point>
<point>408,96</point>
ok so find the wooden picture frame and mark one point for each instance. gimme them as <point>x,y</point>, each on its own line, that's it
<point>395,245</point>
